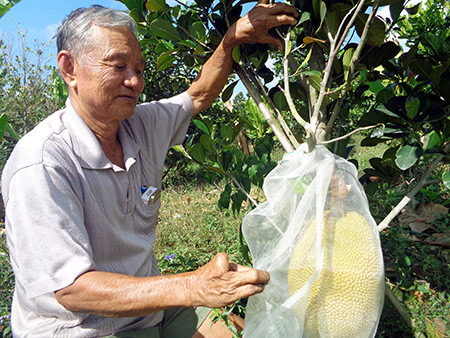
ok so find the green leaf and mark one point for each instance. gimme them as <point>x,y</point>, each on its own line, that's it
<point>305,17</point>
<point>156,5</point>
<point>217,170</point>
<point>446,179</point>
<point>377,30</point>
<point>11,132</point>
<point>180,149</point>
<point>6,5</point>
<point>316,7</point>
<point>323,13</point>
<point>412,108</point>
<point>422,67</point>
<point>207,143</point>
<point>335,15</point>
<point>384,109</point>
<point>408,155</point>
<point>136,7</point>
<point>198,153</point>
<point>236,130</point>
<point>163,46</point>
<point>288,49</point>
<point>280,101</point>
<point>384,95</point>
<point>164,29</point>
<point>431,140</point>
<point>226,131</point>
<point>315,81</point>
<point>236,54</point>
<point>395,9</point>
<point>224,200</point>
<point>413,10</point>
<point>346,61</point>
<point>198,30</point>
<point>188,43</point>
<point>202,126</point>
<point>3,122</point>
<point>226,94</point>
<point>165,61</point>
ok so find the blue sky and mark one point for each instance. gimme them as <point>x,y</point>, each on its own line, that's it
<point>40,18</point>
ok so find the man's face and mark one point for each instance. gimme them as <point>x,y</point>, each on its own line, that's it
<point>109,76</point>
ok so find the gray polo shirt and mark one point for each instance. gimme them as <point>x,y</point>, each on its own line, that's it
<point>70,210</point>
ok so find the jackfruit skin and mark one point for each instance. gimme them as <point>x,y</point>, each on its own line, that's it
<point>346,299</point>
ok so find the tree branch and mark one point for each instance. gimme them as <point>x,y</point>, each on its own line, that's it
<point>350,76</point>
<point>257,82</point>
<point>286,91</point>
<point>273,123</point>
<point>350,134</point>
<point>405,200</point>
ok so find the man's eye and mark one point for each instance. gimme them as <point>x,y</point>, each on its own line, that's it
<point>120,67</point>
<point>138,71</point>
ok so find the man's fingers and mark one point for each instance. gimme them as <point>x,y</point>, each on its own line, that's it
<point>281,8</point>
<point>249,290</point>
<point>252,276</point>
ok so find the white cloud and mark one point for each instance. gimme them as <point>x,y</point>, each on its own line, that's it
<point>50,31</point>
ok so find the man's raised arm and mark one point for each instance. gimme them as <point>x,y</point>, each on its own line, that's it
<point>251,28</point>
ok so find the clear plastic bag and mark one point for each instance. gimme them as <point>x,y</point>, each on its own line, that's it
<point>317,239</point>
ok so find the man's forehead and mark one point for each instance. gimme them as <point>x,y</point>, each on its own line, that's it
<point>121,55</point>
<point>117,43</point>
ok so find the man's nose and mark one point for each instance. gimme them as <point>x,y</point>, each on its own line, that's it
<point>133,79</point>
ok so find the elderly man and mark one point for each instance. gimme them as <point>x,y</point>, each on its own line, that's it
<point>80,233</point>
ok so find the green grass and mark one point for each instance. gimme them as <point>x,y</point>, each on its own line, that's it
<point>364,154</point>
<point>192,226</point>
<point>6,284</point>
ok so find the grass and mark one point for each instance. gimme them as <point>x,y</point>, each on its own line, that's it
<point>6,284</point>
<point>192,226</point>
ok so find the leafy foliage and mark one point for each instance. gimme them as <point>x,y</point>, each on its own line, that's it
<point>5,6</point>
<point>29,91</point>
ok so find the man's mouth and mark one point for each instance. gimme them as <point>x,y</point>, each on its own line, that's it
<point>128,97</point>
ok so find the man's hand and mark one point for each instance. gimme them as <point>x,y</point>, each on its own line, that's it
<point>255,25</point>
<point>220,282</point>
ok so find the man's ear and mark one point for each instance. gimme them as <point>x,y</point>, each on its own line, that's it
<point>66,65</point>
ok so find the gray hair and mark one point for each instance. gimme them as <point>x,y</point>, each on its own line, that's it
<point>74,32</point>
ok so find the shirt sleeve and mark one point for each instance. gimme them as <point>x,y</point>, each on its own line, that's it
<point>47,237</point>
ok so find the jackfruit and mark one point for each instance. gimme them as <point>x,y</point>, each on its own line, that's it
<point>346,299</point>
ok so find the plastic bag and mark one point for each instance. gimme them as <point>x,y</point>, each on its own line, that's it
<point>317,239</point>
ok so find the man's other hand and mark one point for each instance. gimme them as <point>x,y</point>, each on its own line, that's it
<point>220,282</point>
<point>255,25</point>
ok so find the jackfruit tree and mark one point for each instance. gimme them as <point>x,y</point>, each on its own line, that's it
<point>342,71</point>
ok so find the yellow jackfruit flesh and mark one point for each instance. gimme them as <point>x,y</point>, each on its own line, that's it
<point>346,299</point>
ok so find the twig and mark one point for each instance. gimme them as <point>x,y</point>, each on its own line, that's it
<point>273,123</point>
<point>405,200</point>
<point>254,77</point>
<point>239,186</point>
<point>334,49</point>
<point>399,307</point>
<point>303,82</point>
<point>350,134</point>
<point>355,58</point>
<point>286,90</point>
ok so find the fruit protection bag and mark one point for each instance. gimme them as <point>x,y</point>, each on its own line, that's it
<point>317,239</point>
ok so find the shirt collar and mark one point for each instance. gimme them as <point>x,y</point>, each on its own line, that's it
<point>88,148</point>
